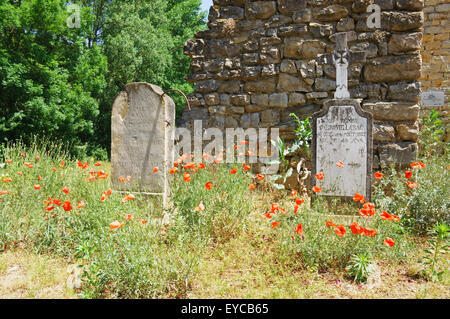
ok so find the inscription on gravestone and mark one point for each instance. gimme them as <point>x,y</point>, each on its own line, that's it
<point>142,131</point>
<point>342,132</point>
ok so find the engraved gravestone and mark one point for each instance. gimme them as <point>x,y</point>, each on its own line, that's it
<point>142,135</point>
<point>342,132</point>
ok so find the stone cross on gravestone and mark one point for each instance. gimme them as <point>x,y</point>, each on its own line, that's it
<point>341,58</point>
<point>342,132</point>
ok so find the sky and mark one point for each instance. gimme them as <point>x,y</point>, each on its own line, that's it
<point>206,4</point>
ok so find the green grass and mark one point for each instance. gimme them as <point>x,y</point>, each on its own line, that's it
<point>227,250</point>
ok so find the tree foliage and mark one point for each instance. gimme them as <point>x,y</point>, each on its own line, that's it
<point>60,82</point>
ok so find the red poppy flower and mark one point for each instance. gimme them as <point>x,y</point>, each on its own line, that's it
<point>208,185</point>
<point>299,229</point>
<point>299,201</point>
<point>37,186</point>
<point>115,225</point>
<point>412,184</point>
<point>54,169</point>
<point>144,221</point>
<point>268,215</point>
<point>319,176</point>
<point>108,192</point>
<point>340,230</point>
<point>98,164</point>
<point>49,208</point>
<point>386,216</point>
<point>37,157</point>
<point>19,173</point>
<point>9,161</point>
<point>389,242</point>
<point>201,165</point>
<point>296,209</point>
<point>359,198</point>
<point>246,168</point>
<point>173,170</point>
<point>417,165</point>
<point>129,217</point>
<point>274,208</point>
<point>356,229</point>
<point>369,232</point>
<point>233,171</point>
<point>189,165</point>
<point>103,198</point>
<point>81,203</point>
<point>65,190</point>
<point>340,164</point>
<point>259,177</point>
<point>275,224</point>
<point>61,165</point>
<point>368,209</point>
<point>23,155</point>
<point>187,177</point>
<point>294,193</point>
<point>408,174</point>
<point>317,189</point>
<point>378,175</point>
<point>251,186</point>
<point>67,206</point>
<point>330,224</point>
<point>7,180</point>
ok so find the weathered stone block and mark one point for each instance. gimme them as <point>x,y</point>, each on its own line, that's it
<point>251,72</point>
<point>400,154</point>
<point>385,111</point>
<point>400,43</point>
<point>288,66</point>
<point>296,99</point>
<point>405,91</point>
<point>345,24</point>
<point>240,99</point>
<point>262,86</point>
<point>269,70</point>
<point>260,9</point>
<point>393,69</point>
<point>409,5</point>
<point>324,84</point>
<point>408,132</point>
<point>212,99</point>
<point>383,133</point>
<point>332,13</point>
<point>278,100</point>
<point>303,15</point>
<point>270,55</point>
<point>233,86</point>
<point>289,83</point>
<point>401,21</point>
<point>312,48</point>
<point>287,7</point>
<point>194,47</point>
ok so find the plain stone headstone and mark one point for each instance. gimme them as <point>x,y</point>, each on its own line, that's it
<point>142,135</point>
<point>342,131</point>
<point>433,98</point>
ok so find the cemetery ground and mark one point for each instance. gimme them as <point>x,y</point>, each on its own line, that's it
<point>227,233</point>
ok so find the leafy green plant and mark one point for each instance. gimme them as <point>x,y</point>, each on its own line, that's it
<point>439,246</point>
<point>285,170</point>
<point>303,133</point>
<point>432,135</point>
<point>360,266</point>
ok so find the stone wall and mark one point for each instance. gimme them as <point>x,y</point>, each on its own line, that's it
<point>257,63</point>
<point>436,52</point>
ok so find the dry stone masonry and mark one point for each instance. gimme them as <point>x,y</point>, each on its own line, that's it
<point>259,61</point>
<point>436,55</point>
